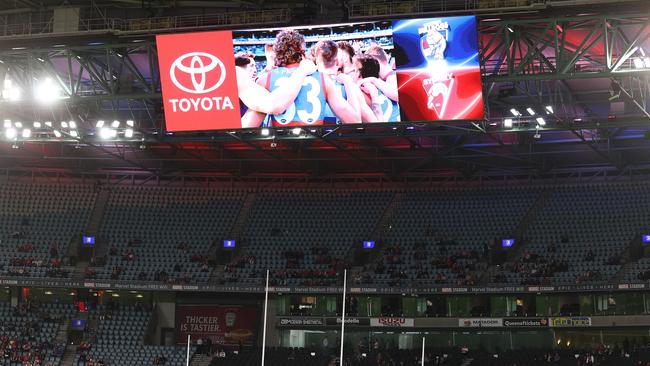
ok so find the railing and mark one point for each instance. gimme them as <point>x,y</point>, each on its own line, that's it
<point>374,8</point>
<point>145,25</point>
<point>395,7</point>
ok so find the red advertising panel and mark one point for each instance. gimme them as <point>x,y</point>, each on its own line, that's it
<point>199,85</point>
<point>225,325</point>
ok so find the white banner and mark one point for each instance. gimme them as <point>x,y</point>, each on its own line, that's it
<point>480,322</point>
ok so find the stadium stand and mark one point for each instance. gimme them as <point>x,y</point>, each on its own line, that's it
<point>305,237</point>
<point>116,337</point>
<point>581,235</point>
<point>443,236</point>
<point>38,222</point>
<point>164,234</point>
<point>28,332</point>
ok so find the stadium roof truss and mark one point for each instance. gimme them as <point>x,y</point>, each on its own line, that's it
<point>582,67</point>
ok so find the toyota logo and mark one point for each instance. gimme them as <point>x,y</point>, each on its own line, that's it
<point>198,72</point>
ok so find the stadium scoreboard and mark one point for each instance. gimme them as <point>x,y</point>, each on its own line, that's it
<point>368,72</point>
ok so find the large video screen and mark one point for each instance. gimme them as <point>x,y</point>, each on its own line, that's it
<point>361,73</point>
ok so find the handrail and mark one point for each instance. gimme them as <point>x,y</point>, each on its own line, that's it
<point>145,25</point>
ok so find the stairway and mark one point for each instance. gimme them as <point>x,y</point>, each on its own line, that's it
<point>242,216</point>
<point>68,358</point>
<point>93,227</point>
<point>384,223</point>
<point>520,234</point>
<point>200,360</point>
<point>467,362</point>
<point>236,229</point>
<point>62,334</point>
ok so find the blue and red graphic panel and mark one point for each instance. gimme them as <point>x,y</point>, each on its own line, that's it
<point>438,70</point>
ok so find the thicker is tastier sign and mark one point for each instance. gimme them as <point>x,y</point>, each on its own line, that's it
<point>198,79</point>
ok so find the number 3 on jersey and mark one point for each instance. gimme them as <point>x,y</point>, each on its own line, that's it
<point>307,105</point>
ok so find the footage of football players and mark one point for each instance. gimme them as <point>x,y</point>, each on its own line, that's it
<point>325,55</point>
<point>257,99</point>
<point>316,92</point>
<point>384,109</point>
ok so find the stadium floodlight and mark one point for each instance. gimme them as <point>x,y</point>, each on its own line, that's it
<point>100,124</point>
<point>638,63</point>
<point>57,134</point>
<point>72,124</point>
<point>530,111</point>
<point>515,112</point>
<point>507,123</point>
<point>296,131</point>
<point>9,91</point>
<point>10,133</point>
<point>105,133</point>
<point>549,109</point>
<point>129,123</point>
<point>27,133</point>
<point>46,92</point>
<point>37,124</point>
<point>541,121</point>
<point>64,124</point>
<point>128,133</point>
<point>115,124</point>
<point>7,123</point>
<point>265,132</point>
<point>74,133</point>
<point>48,124</point>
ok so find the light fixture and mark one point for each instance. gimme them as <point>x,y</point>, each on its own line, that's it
<point>128,133</point>
<point>9,91</point>
<point>115,124</point>
<point>57,133</point>
<point>540,121</point>
<point>129,123</point>
<point>515,112</point>
<point>646,61</point>
<point>74,133</point>
<point>549,109</point>
<point>37,125</point>
<point>72,124</point>
<point>100,124</point>
<point>64,124</point>
<point>530,111</point>
<point>27,133</point>
<point>10,133</point>
<point>507,123</point>
<point>265,132</point>
<point>105,133</point>
<point>46,92</point>
<point>7,123</point>
<point>296,131</point>
<point>48,124</point>
<point>638,63</point>
<point>18,124</point>
<point>510,29</point>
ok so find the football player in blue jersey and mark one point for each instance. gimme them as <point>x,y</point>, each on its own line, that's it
<point>387,81</point>
<point>257,99</point>
<point>384,108</point>
<point>316,90</point>
<point>325,55</point>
